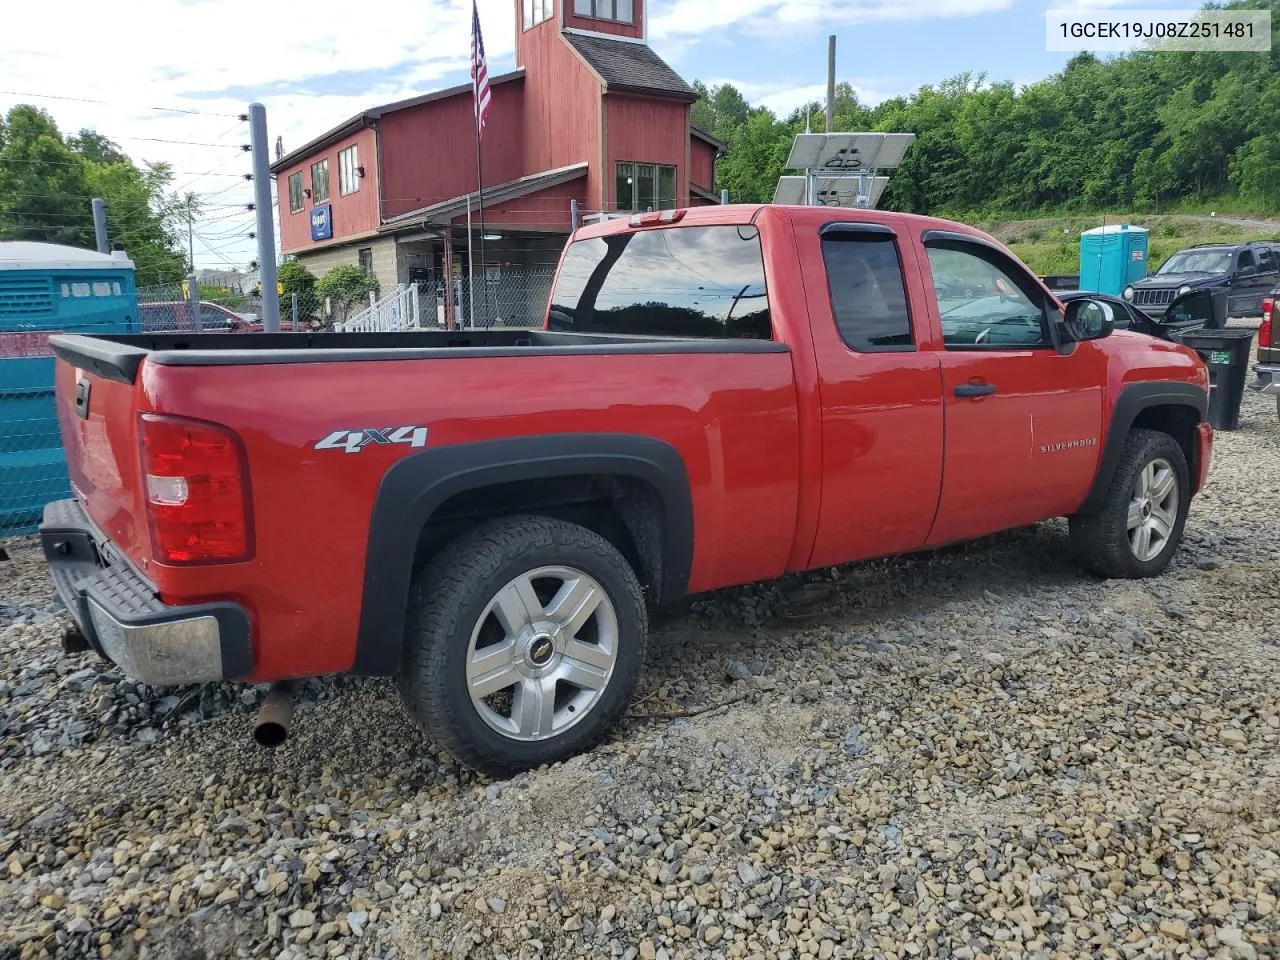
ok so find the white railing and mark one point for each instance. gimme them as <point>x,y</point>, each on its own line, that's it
<point>394,312</point>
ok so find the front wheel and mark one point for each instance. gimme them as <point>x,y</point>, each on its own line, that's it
<point>1139,528</point>
<point>525,641</point>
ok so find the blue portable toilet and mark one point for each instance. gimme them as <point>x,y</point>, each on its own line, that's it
<point>1112,257</point>
<point>47,288</point>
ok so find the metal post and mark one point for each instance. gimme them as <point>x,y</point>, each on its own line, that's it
<point>864,190</point>
<point>573,216</point>
<point>471,270</point>
<point>724,198</point>
<point>266,221</point>
<point>294,298</point>
<point>831,83</point>
<point>193,303</point>
<point>100,224</point>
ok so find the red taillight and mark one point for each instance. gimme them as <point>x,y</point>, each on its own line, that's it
<point>197,491</point>
<point>1268,314</point>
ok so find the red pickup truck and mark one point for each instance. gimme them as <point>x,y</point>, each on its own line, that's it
<point>719,396</point>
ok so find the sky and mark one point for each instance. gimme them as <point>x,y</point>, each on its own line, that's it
<point>126,70</point>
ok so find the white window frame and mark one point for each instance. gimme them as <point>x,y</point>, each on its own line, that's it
<point>657,179</point>
<point>614,11</point>
<point>537,11</point>
<point>348,177</point>
<point>300,197</point>
<point>328,190</point>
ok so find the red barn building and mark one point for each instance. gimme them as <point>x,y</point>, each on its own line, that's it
<point>590,114</point>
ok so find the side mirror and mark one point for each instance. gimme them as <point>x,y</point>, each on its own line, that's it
<point>559,320</point>
<point>1090,319</point>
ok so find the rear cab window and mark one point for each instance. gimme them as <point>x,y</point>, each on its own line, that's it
<point>698,282</point>
<point>868,296</point>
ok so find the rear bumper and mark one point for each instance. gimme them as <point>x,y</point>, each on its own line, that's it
<point>123,619</point>
<point>1268,378</point>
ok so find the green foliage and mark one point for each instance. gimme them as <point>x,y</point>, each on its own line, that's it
<point>1057,251</point>
<point>1148,131</point>
<point>295,278</point>
<point>46,181</point>
<point>345,286</point>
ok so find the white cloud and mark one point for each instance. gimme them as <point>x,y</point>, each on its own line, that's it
<point>769,17</point>
<point>315,64</point>
<point>312,65</point>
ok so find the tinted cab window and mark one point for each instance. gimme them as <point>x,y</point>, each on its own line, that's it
<point>864,274</point>
<point>673,282</point>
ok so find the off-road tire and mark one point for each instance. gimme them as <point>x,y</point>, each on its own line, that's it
<point>447,601</point>
<point>1100,540</point>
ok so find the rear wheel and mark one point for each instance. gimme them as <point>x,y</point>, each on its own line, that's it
<point>525,642</point>
<point>1138,529</point>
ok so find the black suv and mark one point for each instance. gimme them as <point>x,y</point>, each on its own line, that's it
<point>1248,271</point>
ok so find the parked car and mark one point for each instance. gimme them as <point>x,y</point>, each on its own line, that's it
<point>1246,270</point>
<point>176,315</point>
<point>1189,312</point>
<point>1268,368</point>
<point>728,394</point>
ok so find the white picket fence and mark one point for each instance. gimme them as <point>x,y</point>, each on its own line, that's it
<point>394,312</point>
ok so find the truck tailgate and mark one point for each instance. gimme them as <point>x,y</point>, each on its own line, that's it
<point>98,419</point>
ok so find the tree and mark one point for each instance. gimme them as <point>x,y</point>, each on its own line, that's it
<point>46,183</point>
<point>345,286</point>
<point>1134,132</point>
<point>295,278</point>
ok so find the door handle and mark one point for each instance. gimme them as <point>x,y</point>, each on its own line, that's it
<point>975,390</point>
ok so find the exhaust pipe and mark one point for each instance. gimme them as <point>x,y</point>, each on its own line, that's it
<point>275,716</point>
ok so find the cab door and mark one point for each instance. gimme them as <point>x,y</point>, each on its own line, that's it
<point>879,385</point>
<point>1023,421</point>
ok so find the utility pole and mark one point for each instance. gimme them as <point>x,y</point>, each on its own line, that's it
<point>191,244</point>
<point>266,221</point>
<point>100,224</point>
<point>831,83</point>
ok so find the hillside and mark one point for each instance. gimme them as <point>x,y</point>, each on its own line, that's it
<point>1051,245</point>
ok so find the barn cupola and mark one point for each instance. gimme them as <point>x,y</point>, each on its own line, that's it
<point>623,19</point>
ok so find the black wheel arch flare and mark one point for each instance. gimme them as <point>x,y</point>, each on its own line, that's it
<point>414,488</point>
<point>1132,401</point>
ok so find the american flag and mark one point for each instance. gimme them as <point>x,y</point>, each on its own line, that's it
<point>479,72</point>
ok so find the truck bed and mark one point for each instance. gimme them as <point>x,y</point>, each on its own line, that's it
<point>118,357</point>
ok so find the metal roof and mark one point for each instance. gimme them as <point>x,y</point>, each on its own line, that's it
<point>365,119</point>
<point>626,66</point>
<point>29,255</point>
<point>442,213</point>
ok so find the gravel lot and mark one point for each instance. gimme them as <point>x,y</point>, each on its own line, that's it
<point>973,753</point>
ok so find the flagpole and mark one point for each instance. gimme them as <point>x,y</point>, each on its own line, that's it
<point>471,271</point>
<point>484,262</point>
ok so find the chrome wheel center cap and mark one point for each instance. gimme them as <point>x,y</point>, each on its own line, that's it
<point>540,650</point>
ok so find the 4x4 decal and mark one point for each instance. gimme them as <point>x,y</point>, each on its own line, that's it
<point>353,441</point>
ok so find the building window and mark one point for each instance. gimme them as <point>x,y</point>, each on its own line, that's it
<point>366,260</point>
<point>295,192</point>
<point>646,186</point>
<point>535,11</point>
<point>348,177</point>
<point>320,182</point>
<point>619,11</point>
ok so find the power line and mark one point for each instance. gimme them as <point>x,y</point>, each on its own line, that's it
<point>184,143</point>
<point>76,163</point>
<point>54,96</point>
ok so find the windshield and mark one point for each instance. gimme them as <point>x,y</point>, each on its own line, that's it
<point>1198,261</point>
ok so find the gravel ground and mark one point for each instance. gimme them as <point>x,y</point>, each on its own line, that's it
<point>973,753</point>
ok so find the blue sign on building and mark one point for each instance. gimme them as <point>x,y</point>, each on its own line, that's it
<point>322,222</point>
